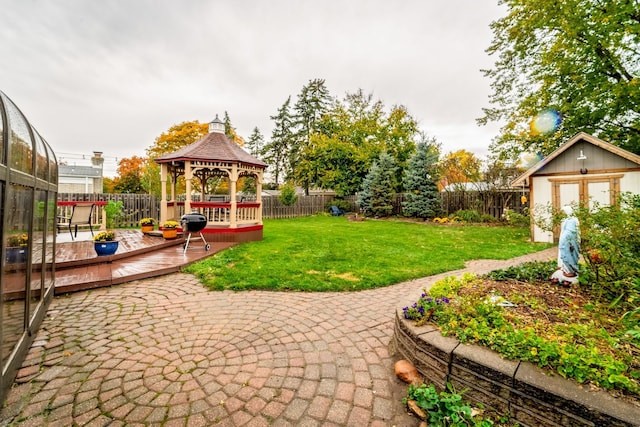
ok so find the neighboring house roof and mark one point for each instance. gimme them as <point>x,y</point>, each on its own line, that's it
<point>212,147</point>
<point>79,171</point>
<point>582,136</point>
<point>468,186</point>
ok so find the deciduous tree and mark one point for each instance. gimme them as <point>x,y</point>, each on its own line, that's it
<point>580,58</point>
<point>129,179</point>
<point>176,137</point>
<point>350,137</point>
<point>459,167</point>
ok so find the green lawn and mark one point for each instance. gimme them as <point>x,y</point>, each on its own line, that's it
<point>326,253</point>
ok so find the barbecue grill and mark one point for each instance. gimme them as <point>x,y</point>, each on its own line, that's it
<point>194,223</point>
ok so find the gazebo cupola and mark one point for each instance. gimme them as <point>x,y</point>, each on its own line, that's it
<point>216,125</point>
<point>208,160</point>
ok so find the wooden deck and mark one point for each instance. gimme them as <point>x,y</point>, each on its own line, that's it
<point>139,256</point>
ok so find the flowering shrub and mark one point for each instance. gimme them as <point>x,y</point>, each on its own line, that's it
<point>168,225</point>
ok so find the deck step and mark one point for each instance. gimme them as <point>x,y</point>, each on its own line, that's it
<point>98,272</point>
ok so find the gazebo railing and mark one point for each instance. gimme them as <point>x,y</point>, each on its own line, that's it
<point>247,213</point>
<point>218,213</point>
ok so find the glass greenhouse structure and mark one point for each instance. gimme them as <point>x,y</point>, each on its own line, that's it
<point>28,190</point>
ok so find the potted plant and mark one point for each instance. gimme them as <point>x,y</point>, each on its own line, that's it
<point>17,248</point>
<point>147,224</point>
<point>105,243</point>
<point>170,229</point>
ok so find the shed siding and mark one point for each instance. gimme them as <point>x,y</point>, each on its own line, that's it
<point>597,160</point>
<point>630,183</point>
<point>541,200</point>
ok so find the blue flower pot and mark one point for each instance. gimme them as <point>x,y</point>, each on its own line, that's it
<point>105,248</point>
<point>16,255</point>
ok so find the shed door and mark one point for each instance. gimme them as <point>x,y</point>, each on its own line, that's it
<point>601,190</point>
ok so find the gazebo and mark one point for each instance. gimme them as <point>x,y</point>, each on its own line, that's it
<point>214,156</point>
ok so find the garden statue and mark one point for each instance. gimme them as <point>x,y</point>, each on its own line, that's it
<point>568,250</point>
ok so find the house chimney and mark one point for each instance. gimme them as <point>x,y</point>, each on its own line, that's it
<point>97,160</point>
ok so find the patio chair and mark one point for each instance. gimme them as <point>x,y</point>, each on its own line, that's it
<point>80,215</point>
<point>336,211</point>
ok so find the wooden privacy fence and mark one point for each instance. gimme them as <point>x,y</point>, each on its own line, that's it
<point>138,206</point>
<point>488,202</point>
<point>304,206</point>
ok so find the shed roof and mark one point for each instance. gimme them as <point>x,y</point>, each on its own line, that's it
<point>214,146</point>
<point>581,136</point>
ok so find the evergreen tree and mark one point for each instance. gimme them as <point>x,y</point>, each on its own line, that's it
<point>276,152</point>
<point>255,142</point>
<point>376,197</point>
<point>313,102</point>
<point>420,182</point>
<point>231,132</point>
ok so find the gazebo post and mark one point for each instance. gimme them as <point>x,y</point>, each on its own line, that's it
<point>188,176</point>
<point>233,180</point>
<point>259,197</point>
<point>163,187</point>
<point>203,187</point>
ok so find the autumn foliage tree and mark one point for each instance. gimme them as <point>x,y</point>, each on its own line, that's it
<point>129,178</point>
<point>178,136</point>
<point>459,167</point>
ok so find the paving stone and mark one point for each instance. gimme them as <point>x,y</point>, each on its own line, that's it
<point>167,351</point>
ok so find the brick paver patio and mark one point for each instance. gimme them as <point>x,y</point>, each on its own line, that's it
<point>165,351</point>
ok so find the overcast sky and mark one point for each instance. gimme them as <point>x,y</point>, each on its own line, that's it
<point>112,75</point>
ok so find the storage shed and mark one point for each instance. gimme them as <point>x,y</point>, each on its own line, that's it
<point>584,170</point>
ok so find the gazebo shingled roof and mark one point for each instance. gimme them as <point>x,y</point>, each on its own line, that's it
<point>212,147</point>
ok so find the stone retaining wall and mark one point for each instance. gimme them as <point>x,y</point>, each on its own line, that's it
<point>526,392</point>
